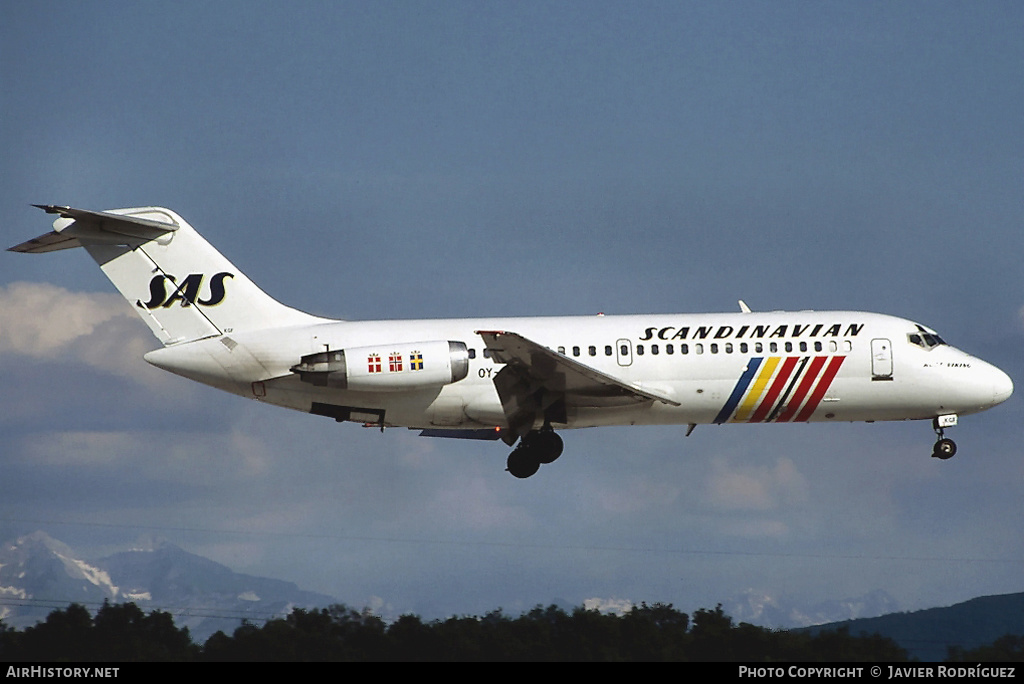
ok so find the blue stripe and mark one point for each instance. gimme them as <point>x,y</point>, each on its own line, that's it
<point>739,390</point>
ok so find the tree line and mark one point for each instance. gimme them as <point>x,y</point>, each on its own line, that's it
<point>657,632</point>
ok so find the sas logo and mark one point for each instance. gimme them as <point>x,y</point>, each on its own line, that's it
<point>187,293</point>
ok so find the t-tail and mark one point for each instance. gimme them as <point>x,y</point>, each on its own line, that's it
<point>181,286</point>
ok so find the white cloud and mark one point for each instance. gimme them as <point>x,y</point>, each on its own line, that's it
<point>475,505</point>
<point>612,606</point>
<point>754,487</point>
<point>38,319</point>
<point>80,447</point>
<point>639,494</point>
<point>45,321</point>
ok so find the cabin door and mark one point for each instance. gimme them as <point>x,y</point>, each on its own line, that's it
<point>881,359</point>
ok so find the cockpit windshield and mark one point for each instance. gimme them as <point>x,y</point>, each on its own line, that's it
<point>925,339</point>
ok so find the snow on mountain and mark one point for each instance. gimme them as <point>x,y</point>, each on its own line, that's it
<point>765,610</point>
<point>39,574</point>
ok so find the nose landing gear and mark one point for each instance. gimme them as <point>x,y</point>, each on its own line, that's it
<point>944,448</point>
<point>536,448</point>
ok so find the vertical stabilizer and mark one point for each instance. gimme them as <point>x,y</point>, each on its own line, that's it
<point>181,286</point>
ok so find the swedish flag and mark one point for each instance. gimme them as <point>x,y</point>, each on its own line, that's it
<point>415,361</point>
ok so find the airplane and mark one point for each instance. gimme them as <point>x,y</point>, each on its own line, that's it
<point>520,379</point>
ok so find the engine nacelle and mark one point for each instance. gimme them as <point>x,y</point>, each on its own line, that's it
<point>387,367</point>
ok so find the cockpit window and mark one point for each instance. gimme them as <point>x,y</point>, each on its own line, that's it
<point>925,339</point>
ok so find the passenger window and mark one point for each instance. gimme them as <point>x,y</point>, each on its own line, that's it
<point>575,351</point>
<point>743,347</point>
<point>487,353</point>
<point>848,345</point>
<point>669,349</point>
<point>639,350</point>
<point>698,348</point>
<point>593,350</point>
<point>773,347</point>
<point>817,346</point>
<point>728,347</point>
<point>654,349</point>
<point>789,346</point>
<point>561,350</point>
<point>684,349</point>
<point>607,350</point>
<point>714,347</point>
<point>472,353</point>
<point>832,346</point>
<point>624,350</point>
<point>758,348</point>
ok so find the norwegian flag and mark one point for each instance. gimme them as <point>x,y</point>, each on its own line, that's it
<point>373,361</point>
<point>395,362</point>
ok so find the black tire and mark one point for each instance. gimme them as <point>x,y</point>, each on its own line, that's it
<point>547,445</point>
<point>944,449</point>
<point>522,463</point>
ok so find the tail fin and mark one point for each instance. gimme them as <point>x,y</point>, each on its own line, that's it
<point>181,286</point>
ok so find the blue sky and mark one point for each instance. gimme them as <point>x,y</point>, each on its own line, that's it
<point>389,160</point>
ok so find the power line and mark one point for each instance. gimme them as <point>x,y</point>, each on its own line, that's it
<point>524,545</point>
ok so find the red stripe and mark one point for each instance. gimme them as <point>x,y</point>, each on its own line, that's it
<point>801,391</point>
<point>823,385</point>
<point>773,392</point>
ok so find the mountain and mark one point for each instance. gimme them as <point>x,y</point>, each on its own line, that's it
<point>765,610</point>
<point>926,634</point>
<point>39,574</point>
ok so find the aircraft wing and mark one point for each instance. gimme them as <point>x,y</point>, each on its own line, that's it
<point>95,226</point>
<point>539,382</point>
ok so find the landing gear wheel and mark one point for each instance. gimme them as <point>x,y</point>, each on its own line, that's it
<point>546,444</point>
<point>522,462</point>
<point>944,448</point>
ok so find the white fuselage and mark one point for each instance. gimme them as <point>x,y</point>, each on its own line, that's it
<point>719,367</point>
<point>519,379</point>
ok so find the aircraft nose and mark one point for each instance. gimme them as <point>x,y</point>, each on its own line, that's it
<point>1002,386</point>
<point>982,387</point>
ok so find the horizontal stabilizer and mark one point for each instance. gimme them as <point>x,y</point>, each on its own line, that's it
<point>76,227</point>
<point>181,286</point>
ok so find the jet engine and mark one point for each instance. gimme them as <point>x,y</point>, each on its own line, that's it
<point>387,367</point>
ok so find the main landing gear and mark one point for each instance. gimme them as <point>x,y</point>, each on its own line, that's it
<point>944,448</point>
<point>536,448</point>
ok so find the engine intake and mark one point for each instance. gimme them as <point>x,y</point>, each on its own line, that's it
<point>387,367</point>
